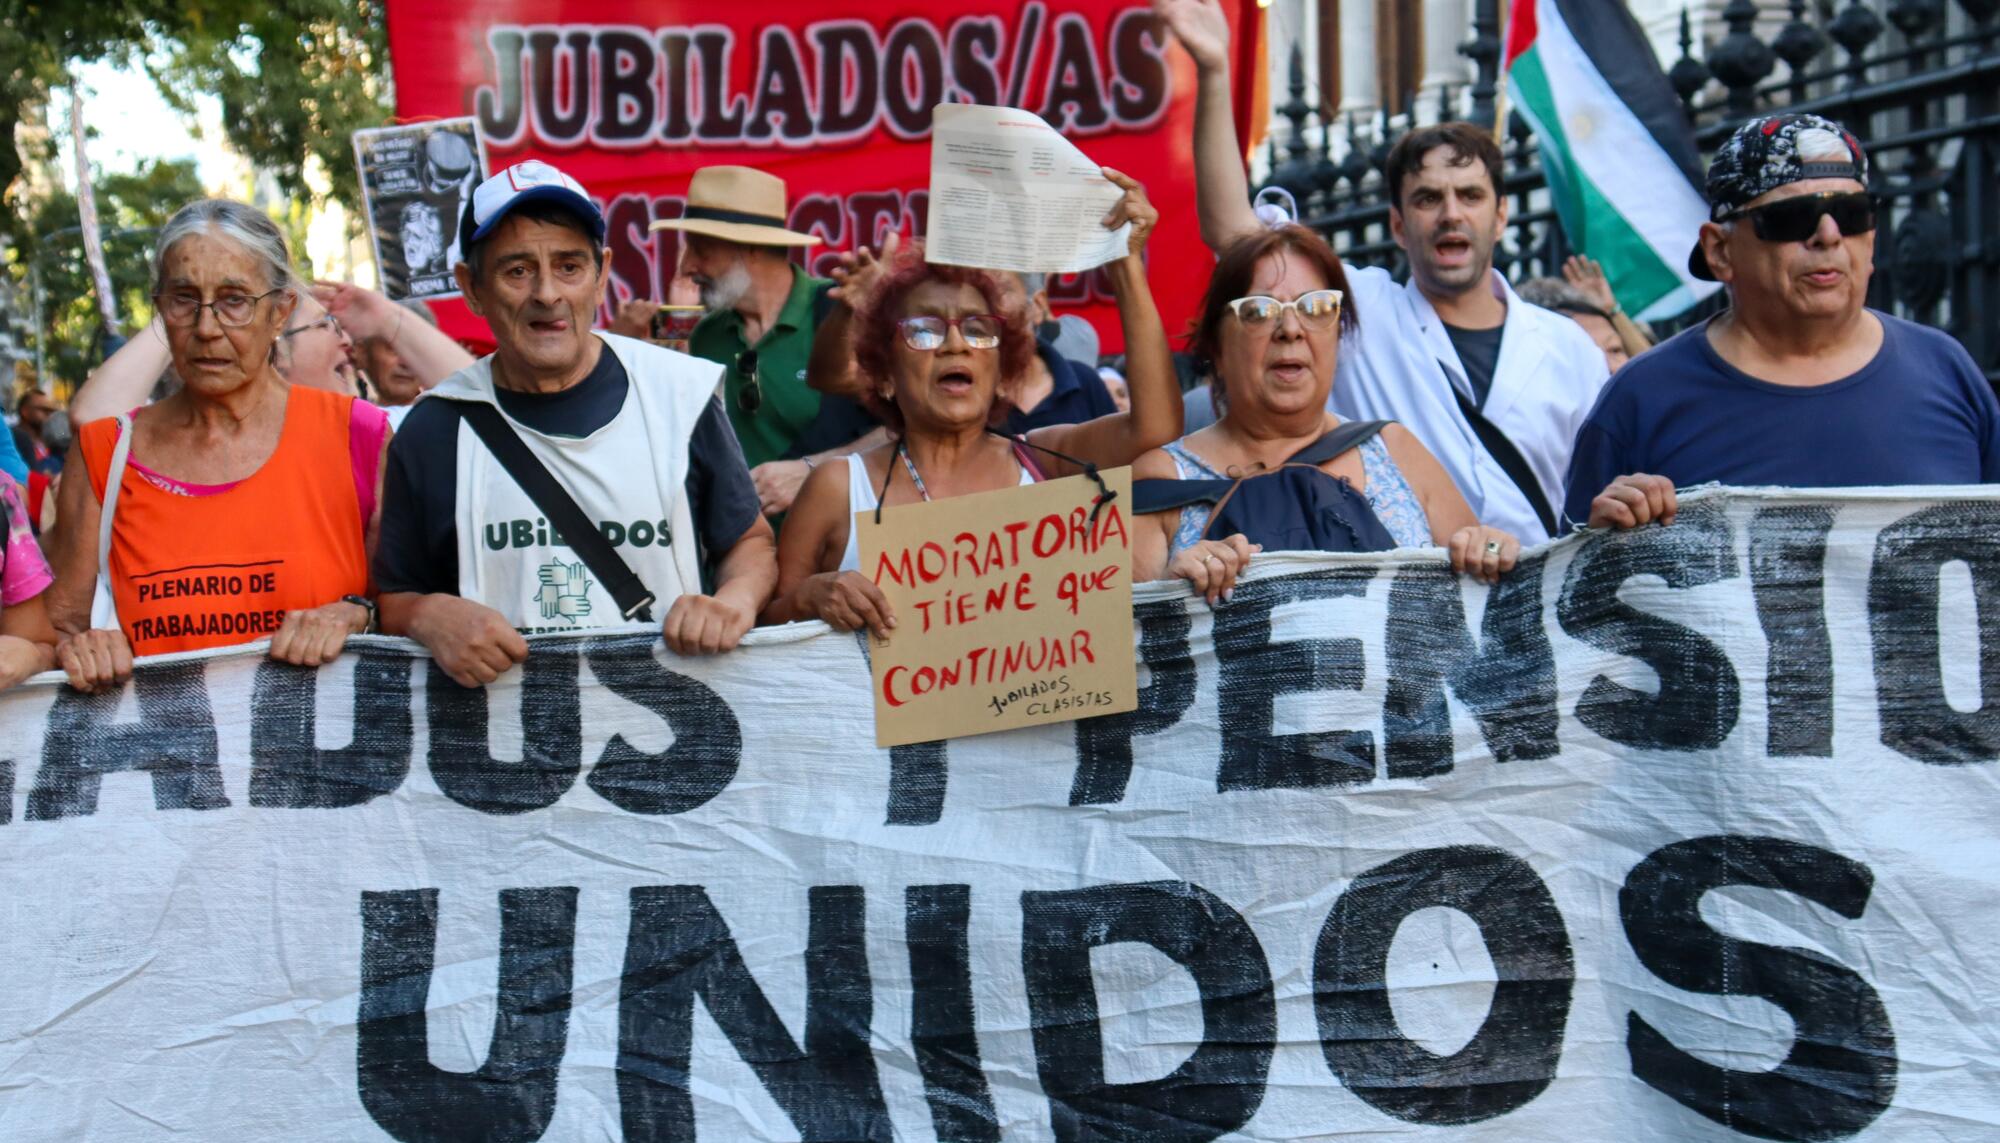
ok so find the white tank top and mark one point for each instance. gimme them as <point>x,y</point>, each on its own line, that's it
<point>861,498</point>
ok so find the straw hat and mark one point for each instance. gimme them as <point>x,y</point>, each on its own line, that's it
<point>737,204</point>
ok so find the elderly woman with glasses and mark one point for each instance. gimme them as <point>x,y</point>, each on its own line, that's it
<point>240,508</point>
<point>1278,470</point>
<point>943,350</point>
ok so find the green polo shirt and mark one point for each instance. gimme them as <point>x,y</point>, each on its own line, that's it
<point>788,405</point>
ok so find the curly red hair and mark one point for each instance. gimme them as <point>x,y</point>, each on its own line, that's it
<point>875,333</point>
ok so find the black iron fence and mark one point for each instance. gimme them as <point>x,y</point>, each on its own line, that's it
<point>1917,80</point>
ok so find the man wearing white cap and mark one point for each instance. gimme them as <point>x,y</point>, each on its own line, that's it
<point>623,440</point>
<point>762,315</point>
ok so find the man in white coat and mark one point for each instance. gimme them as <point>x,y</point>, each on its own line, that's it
<point>1495,387</point>
<point>467,559</point>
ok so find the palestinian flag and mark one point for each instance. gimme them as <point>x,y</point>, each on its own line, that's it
<point>1617,148</point>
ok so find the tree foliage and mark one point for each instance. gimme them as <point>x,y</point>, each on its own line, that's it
<point>130,207</point>
<point>295,77</point>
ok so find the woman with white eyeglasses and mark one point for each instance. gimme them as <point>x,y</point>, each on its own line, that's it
<point>943,350</point>
<point>241,507</point>
<point>1278,470</point>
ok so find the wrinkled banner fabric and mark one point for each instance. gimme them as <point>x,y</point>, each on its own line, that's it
<point>1680,834</point>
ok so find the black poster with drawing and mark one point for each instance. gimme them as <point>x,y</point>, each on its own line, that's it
<point>415,182</point>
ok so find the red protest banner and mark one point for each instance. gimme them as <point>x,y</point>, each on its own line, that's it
<point>631,98</point>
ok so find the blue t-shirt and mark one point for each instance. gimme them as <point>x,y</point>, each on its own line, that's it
<point>1078,395</point>
<point>1919,413</point>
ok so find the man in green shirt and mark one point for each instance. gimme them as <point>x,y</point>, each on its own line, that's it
<point>761,308</point>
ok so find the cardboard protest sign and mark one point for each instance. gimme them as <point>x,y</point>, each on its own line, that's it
<point>1677,835</point>
<point>1013,608</point>
<point>415,182</point>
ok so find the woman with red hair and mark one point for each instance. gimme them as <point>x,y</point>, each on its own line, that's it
<point>942,351</point>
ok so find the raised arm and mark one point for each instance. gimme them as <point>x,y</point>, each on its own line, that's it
<point>1222,187</point>
<point>125,379</point>
<point>1155,416</point>
<point>830,369</point>
<point>430,353</point>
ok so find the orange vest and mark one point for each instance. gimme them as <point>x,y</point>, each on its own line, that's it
<point>190,572</point>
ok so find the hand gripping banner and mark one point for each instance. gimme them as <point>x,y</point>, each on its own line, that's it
<point>1679,834</point>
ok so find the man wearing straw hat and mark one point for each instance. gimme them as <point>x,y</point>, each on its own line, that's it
<point>761,316</point>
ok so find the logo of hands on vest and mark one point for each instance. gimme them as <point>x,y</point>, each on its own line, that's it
<point>565,592</point>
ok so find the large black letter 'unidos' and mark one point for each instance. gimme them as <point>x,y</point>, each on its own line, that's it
<point>1841,1071</point>
<point>680,948</point>
<point>1217,1088</point>
<point>1512,1058</point>
<point>512,1096</point>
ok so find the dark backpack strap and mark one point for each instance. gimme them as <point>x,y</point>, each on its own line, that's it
<point>514,455</point>
<point>1156,494</point>
<point>1342,437</point>
<point>1510,459</point>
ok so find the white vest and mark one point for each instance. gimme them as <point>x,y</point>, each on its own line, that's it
<point>1403,367</point>
<point>630,476</point>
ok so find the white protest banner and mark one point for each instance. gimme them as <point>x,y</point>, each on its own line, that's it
<point>415,182</point>
<point>1680,834</point>
<point>1013,608</point>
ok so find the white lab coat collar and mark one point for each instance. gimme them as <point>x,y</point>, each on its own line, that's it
<point>1521,351</point>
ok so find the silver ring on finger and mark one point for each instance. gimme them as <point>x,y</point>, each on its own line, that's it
<point>1492,547</point>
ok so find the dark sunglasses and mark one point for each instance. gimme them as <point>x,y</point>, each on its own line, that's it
<point>750,397</point>
<point>1797,219</point>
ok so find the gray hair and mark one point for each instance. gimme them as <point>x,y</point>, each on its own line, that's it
<point>242,224</point>
<point>1033,283</point>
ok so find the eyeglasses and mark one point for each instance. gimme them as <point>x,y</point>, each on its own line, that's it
<point>233,310</point>
<point>1797,219</point>
<point>326,320</point>
<point>750,397</point>
<point>1318,309</point>
<point>980,331</point>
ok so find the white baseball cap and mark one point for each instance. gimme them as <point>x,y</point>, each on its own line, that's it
<point>528,181</point>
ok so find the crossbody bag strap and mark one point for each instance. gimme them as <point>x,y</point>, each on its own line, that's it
<point>104,606</point>
<point>1509,458</point>
<point>1340,439</point>
<point>634,601</point>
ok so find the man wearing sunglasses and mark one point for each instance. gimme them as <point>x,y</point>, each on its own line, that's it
<point>1798,383</point>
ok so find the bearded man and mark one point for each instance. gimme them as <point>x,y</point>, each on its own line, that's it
<point>760,320</point>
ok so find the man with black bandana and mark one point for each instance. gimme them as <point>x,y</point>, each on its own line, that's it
<point>1798,382</point>
<point>632,432</point>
